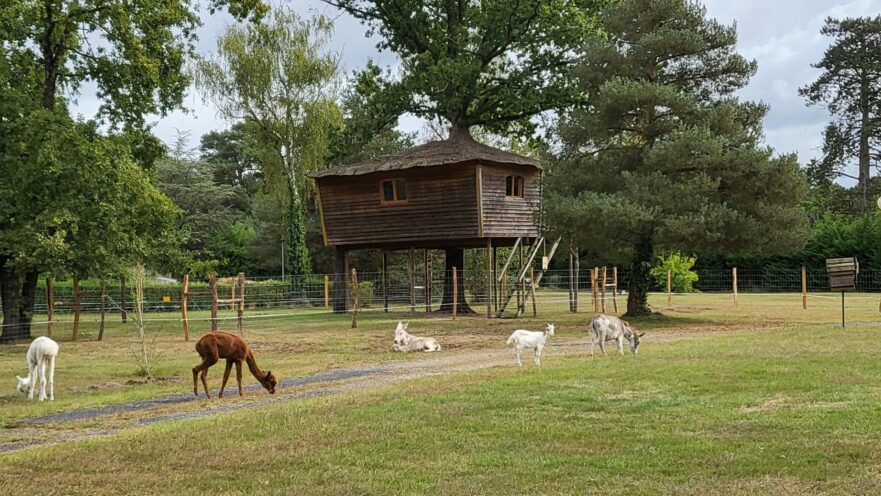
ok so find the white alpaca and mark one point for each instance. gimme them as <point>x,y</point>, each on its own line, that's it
<point>530,339</point>
<point>406,342</point>
<point>42,352</point>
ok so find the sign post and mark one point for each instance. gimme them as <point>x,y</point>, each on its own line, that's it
<point>842,274</point>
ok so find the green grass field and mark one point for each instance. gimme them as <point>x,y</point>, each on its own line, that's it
<point>764,398</point>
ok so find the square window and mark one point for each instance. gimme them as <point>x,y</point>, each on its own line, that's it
<point>400,190</point>
<point>514,187</point>
<point>388,191</point>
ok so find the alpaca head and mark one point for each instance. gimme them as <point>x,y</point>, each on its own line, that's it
<point>23,384</point>
<point>269,382</point>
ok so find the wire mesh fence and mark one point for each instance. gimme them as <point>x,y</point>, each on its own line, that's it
<point>423,290</point>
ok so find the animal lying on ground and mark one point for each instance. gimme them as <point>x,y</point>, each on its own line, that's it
<point>42,352</point>
<point>610,328</point>
<point>530,339</point>
<point>407,342</point>
<point>216,345</point>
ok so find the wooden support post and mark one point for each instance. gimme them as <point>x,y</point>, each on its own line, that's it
<point>504,291</point>
<point>804,288</point>
<point>411,272</point>
<point>603,292</point>
<point>595,290</point>
<point>494,274</point>
<point>122,312</point>
<point>615,288</point>
<point>240,317</point>
<point>455,292</point>
<point>212,289</point>
<point>77,297</point>
<point>429,282</point>
<point>489,278</point>
<point>232,293</point>
<point>520,295</point>
<point>340,276</point>
<point>427,275</point>
<point>103,311</point>
<point>385,281</point>
<point>734,283</point>
<point>355,289</point>
<point>326,292</point>
<point>532,291</point>
<point>184,303</point>
<point>50,305</point>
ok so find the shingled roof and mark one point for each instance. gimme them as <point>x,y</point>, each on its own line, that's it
<point>455,150</point>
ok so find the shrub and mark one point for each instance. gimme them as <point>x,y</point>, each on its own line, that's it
<point>682,278</point>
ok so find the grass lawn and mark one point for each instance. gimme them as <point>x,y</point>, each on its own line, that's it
<point>780,405</point>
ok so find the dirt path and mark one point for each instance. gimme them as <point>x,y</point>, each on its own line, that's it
<point>44,430</point>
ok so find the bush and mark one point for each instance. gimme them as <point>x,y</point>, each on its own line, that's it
<point>682,278</point>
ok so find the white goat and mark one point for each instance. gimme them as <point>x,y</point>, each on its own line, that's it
<point>406,342</point>
<point>42,352</point>
<point>609,328</point>
<point>530,339</point>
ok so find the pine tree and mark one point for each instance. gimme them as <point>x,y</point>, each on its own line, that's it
<point>850,88</point>
<point>665,157</point>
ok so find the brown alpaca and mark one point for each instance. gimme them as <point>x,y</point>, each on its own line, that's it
<point>216,345</point>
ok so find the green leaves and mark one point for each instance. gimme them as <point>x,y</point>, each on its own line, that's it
<point>484,63</point>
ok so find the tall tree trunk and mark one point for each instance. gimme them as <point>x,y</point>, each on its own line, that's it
<point>298,263</point>
<point>640,279</point>
<point>454,257</point>
<point>17,295</point>
<point>864,145</point>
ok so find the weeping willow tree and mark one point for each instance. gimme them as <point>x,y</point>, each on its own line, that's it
<point>279,78</point>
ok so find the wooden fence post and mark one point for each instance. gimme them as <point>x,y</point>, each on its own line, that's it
<point>103,311</point>
<point>354,298</point>
<point>615,288</point>
<point>385,281</point>
<point>326,291</point>
<point>455,292</point>
<point>734,283</point>
<point>575,278</point>
<point>603,292</point>
<point>122,312</point>
<point>804,288</point>
<point>77,296</point>
<point>532,290</point>
<point>240,314</point>
<point>489,278</point>
<point>50,305</point>
<point>184,301</point>
<point>571,281</point>
<point>669,286</point>
<point>212,289</point>
<point>595,290</point>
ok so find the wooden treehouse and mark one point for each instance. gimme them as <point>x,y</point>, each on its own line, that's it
<point>452,195</point>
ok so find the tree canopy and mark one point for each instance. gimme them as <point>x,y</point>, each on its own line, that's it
<point>664,156</point>
<point>850,88</point>
<point>490,63</point>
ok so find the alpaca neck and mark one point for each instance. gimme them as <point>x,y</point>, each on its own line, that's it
<point>252,366</point>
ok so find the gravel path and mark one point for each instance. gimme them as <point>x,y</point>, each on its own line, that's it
<point>39,431</point>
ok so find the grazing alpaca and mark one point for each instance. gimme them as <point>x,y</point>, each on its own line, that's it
<point>530,339</point>
<point>610,328</point>
<point>216,345</point>
<point>42,352</point>
<point>406,342</point>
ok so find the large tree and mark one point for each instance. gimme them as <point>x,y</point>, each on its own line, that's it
<point>489,63</point>
<point>132,52</point>
<point>850,88</point>
<point>279,78</point>
<point>664,156</point>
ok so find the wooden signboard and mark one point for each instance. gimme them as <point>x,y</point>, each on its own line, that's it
<point>842,273</point>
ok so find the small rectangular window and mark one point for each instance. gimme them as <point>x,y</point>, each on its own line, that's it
<point>514,187</point>
<point>393,191</point>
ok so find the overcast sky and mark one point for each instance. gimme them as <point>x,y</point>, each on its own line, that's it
<point>783,36</point>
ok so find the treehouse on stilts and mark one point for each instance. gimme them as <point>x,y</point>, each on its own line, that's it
<point>446,195</point>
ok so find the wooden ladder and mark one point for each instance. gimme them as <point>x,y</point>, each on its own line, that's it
<point>524,271</point>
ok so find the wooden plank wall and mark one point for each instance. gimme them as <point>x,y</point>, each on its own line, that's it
<point>441,205</point>
<point>509,217</point>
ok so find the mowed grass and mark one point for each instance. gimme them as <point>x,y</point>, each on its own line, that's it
<point>295,342</point>
<point>793,410</point>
